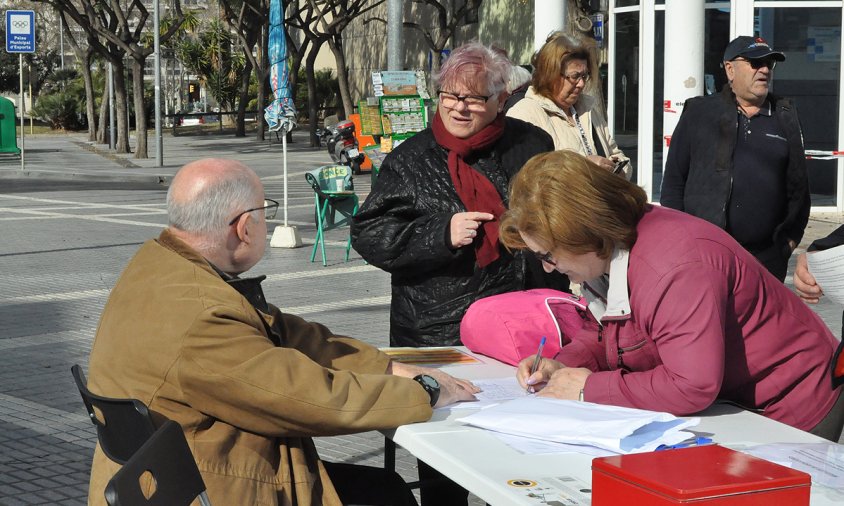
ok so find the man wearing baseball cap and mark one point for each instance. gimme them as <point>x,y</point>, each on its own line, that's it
<point>737,160</point>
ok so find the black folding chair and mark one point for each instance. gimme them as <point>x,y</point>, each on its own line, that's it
<point>123,425</point>
<point>174,480</point>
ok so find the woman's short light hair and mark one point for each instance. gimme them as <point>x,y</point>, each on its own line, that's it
<point>480,69</point>
<point>208,211</point>
<point>562,200</point>
<point>550,61</point>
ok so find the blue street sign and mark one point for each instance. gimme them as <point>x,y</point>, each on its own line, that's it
<point>20,31</point>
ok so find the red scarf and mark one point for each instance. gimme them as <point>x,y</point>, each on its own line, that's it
<point>475,190</point>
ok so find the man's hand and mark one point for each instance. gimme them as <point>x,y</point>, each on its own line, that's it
<point>566,383</point>
<point>537,380</point>
<point>451,389</point>
<point>464,227</point>
<point>804,283</point>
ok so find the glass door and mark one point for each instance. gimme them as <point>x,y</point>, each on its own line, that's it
<point>810,75</point>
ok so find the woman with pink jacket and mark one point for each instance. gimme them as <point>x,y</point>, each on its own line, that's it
<point>683,315</point>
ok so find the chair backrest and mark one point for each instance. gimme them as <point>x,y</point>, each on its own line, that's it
<point>125,426</point>
<point>330,178</point>
<point>175,479</point>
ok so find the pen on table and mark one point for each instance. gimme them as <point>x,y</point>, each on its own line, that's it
<point>698,441</point>
<point>535,365</point>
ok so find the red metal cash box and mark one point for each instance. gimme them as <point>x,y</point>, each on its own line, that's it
<point>711,475</point>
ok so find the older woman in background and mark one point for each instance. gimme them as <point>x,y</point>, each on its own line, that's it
<point>683,315</point>
<point>556,103</point>
<point>517,86</point>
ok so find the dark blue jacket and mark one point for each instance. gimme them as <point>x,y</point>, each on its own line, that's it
<point>699,171</point>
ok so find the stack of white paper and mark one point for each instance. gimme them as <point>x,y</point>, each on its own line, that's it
<point>827,267</point>
<point>621,430</point>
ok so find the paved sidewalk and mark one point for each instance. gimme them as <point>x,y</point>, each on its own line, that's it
<point>63,249</point>
<point>72,156</point>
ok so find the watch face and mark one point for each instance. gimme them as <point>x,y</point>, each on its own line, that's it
<point>430,385</point>
<point>429,381</point>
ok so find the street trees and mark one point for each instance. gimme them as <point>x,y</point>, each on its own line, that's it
<point>248,20</point>
<point>118,30</point>
<point>210,56</point>
<point>448,17</point>
<point>38,65</point>
<point>334,16</point>
<point>85,56</point>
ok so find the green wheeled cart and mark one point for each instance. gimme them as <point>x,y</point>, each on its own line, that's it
<point>8,134</point>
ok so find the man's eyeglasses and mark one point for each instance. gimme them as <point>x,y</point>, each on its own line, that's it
<point>270,208</point>
<point>473,102</point>
<point>759,63</point>
<point>544,257</point>
<point>576,77</point>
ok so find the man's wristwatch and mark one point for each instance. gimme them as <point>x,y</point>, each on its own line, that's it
<point>430,385</point>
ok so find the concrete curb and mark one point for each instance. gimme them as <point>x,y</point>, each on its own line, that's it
<point>112,177</point>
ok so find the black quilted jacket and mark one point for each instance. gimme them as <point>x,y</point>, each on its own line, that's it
<point>403,226</point>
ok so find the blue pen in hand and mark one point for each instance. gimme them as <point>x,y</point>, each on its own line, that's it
<point>535,365</point>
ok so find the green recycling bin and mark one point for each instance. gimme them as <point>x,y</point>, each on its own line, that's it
<point>8,135</point>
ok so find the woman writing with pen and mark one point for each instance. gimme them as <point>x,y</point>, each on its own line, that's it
<point>683,315</point>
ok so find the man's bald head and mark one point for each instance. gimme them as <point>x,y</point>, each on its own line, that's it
<point>206,194</point>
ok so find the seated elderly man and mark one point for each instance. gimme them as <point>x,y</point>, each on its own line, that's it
<point>249,385</point>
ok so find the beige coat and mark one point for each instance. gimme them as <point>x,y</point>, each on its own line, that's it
<point>544,113</point>
<point>176,336</point>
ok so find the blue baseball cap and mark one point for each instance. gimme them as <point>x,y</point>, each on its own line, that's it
<point>751,48</point>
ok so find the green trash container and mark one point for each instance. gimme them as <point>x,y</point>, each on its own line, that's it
<point>8,134</point>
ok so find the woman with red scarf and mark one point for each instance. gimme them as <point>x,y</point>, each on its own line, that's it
<point>431,219</point>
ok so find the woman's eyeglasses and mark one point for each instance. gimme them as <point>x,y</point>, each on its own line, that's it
<point>270,208</point>
<point>472,102</point>
<point>544,257</point>
<point>576,77</point>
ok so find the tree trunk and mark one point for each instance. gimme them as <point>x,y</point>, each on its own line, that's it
<point>90,112</point>
<point>120,102</point>
<point>295,65</point>
<point>240,127</point>
<point>84,56</point>
<point>336,47</point>
<point>101,132</point>
<point>312,101</point>
<point>261,76</point>
<point>140,107</point>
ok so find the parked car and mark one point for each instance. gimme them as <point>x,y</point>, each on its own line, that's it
<point>191,120</point>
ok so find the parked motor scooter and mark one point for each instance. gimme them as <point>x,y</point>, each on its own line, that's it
<point>342,144</point>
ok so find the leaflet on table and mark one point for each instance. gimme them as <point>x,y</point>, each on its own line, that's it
<point>621,430</point>
<point>493,391</point>
<point>430,356</point>
<point>827,267</point>
<point>824,461</point>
